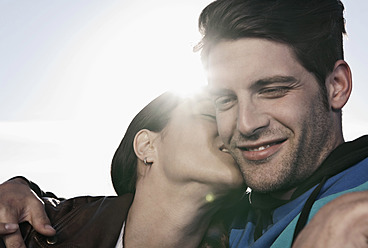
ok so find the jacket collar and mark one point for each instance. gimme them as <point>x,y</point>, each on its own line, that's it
<point>343,157</point>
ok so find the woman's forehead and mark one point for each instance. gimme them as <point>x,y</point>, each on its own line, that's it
<point>200,103</point>
<point>193,115</point>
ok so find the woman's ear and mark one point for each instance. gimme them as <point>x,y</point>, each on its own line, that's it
<point>144,146</point>
<point>339,85</point>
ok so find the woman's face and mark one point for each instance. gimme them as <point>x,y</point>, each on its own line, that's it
<point>190,148</point>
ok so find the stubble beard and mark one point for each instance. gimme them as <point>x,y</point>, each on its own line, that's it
<point>265,177</point>
<point>305,154</point>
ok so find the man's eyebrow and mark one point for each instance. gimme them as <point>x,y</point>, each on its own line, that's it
<point>218,91</point>
<point>271,80</point>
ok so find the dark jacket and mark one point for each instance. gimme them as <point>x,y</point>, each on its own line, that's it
<point>97,221</point>
<point>81,222</point>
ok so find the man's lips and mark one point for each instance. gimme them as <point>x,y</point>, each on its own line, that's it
<point>261,151</point>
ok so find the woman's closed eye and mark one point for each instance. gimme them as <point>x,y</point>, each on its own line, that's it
<point>224,102</point>
<point>210,116</point>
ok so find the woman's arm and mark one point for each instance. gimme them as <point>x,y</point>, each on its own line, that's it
<point>343,222</point>
<point>19,203</point>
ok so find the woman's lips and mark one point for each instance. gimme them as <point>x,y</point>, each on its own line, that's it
<point>261,152</point>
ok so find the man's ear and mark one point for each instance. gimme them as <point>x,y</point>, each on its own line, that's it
<point>144,146</point>
<point>339,85</point>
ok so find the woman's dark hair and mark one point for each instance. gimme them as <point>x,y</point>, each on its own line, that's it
<point>154,117</point>
<point>312,28</point>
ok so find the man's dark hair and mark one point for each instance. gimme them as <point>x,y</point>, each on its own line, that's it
<point>154,117</point>
<point>312,28</point>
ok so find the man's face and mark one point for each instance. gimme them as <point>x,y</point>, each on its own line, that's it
<point>269,112</point>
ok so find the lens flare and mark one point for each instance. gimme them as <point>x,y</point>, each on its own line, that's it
<point>210,197</point>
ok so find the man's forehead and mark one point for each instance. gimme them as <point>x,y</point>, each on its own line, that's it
<point>235,53</point>
<point>250,61</point>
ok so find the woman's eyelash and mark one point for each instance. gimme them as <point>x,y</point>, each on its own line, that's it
<point>209,115</point>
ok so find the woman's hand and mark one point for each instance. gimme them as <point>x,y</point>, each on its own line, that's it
<point>8,228</point>
<point>18,204</point>
<point>342,222</point>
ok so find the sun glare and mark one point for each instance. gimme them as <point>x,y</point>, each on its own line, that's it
<point>93,70</point>
<point>87,68</point>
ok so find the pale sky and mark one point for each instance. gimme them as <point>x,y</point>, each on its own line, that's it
<point>74,73</point>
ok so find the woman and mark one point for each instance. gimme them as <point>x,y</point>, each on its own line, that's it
<point>173,162</point>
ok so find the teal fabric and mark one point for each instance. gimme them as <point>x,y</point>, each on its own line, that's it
<point>284,218</point>
<point>285,238</point>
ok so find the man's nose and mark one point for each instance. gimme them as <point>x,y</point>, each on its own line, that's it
<point>251,118</point>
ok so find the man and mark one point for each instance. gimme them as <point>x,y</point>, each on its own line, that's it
<point>278,79</point>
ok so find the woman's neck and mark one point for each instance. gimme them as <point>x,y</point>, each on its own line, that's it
<point>170,215</point>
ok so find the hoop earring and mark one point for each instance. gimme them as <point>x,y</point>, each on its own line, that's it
<point>145,161</point>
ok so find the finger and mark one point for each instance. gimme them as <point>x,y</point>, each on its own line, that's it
<point>40,221</point>
<point>14,240</point>
<point>8,228</point>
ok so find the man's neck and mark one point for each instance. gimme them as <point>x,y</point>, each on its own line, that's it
<point>283,195</point>
<point>330,145</point>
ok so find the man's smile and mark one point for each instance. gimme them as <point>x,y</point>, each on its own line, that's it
<point>262,150</point>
